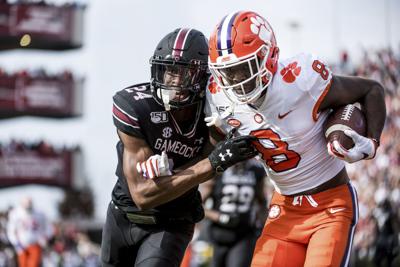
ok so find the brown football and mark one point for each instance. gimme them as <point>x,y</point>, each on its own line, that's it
<point>342,118</point>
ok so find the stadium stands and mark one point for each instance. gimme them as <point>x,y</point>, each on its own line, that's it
<point>38,25</point>
<point>38,93</point>
<point>40,163</point>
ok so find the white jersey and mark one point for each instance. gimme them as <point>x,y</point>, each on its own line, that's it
<point>25,228</point>
<point>288,127</point>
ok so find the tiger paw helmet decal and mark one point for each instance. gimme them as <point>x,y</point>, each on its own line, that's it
<point>259,27</point>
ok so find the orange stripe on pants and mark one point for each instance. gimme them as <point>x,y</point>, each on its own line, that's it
<point>300,233</point>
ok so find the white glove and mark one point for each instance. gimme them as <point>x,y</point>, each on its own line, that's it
<point>214,119</point>
<point>364,148</point>
<point>155,166</point>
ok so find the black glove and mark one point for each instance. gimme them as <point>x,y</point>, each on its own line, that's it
<point>232,151</point>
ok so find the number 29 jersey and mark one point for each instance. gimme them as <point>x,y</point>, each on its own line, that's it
<point>235,192</point>
<point>288,126</point>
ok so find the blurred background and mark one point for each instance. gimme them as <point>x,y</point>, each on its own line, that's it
<point>62,61</point>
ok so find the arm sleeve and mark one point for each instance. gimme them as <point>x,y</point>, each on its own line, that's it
<point>125,117</point>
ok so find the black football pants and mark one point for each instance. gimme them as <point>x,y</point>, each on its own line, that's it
<point>238,254</point>
<point>127,244</point>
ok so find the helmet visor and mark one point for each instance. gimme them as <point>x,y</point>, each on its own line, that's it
<point>178,82</point>
<point>176,75</point>
<point>242,77</point>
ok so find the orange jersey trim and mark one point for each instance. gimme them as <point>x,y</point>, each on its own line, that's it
<point>319,101</point>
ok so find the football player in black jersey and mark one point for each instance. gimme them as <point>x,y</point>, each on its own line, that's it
<point>150,221</point>
<point>235,205</point>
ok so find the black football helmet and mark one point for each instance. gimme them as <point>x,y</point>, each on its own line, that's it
<point>179,68</point>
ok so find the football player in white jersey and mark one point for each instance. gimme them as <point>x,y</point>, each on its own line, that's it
<point>284,103</point>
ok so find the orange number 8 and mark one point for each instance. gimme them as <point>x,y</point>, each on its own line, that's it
<point>320,68</point>
<point>273,157</point>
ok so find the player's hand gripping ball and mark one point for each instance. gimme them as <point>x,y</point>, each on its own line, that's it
<point>345,130</point>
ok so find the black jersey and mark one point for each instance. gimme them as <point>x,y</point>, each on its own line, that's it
<point>136,113</point>
<point>236,190</point>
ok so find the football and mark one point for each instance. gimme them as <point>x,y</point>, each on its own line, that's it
<point>345,118</point>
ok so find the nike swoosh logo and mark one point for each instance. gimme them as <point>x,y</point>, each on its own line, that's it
<point>284,114</point>
<point>335,210</point>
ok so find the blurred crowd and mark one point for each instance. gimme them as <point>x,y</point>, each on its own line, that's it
<point>44,3</point>
<point>61,243</point>
<point>376,241</point>
<point>41,147</point>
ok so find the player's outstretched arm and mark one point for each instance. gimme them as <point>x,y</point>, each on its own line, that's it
<point>149,193</point>
<point>151,167</point>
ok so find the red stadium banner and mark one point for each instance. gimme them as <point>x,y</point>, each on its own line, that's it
<point>40,95</point>
<point>4,18</point>
<point>41,26</point>
<point>40,165</point>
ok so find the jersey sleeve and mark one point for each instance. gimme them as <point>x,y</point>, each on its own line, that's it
<point>125,117</point>
<point>318,81</point>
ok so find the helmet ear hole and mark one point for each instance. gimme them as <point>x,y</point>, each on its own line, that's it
<point>248,39</point>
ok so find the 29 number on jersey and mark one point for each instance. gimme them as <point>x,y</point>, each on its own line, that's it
<point>277,155</point>
<point>236,198</point>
